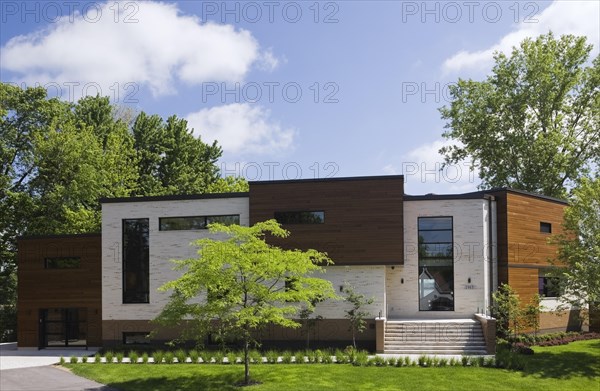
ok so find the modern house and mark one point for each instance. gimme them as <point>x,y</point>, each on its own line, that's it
<point>430,262</point>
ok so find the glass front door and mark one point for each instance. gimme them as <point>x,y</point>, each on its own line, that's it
<point>63,327</point>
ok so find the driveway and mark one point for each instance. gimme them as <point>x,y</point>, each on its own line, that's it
<point>31,370</point>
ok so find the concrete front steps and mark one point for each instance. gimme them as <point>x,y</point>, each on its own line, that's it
<point>434,337</point>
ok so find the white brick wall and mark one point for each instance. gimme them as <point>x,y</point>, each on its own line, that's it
<point>164,246</point>
<point>368,280</point>
<point>471,255</point>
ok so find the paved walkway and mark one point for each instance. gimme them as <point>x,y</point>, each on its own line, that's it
<point>11,357</point>
<point>31,370</point>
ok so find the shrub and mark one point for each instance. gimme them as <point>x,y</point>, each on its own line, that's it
<point>218,356</point>
<point>299,358</point>
<point>327,358</point>
<point>194,355</point>
<point>109,356</point>
<point>84,359</point>
<point>73,360</point>
<point>205,357</point>
<point>120,356</point>
<point>133,357</point>
<point>232,358</point>
<point>158,356</point>
<point>145,358</point>
<point>489,362</point>
<point>181,356</point>
<point>62,360</point>
<point>422,360</point>
<point>443,362</point>
<point>169,357</point>
<point>361,358</point>
<point>465,360</point>
<point>256,357</point>
<point>378,361</point>
<point>286,357</point>
<point>272,356</point>
<point>521,348</point>
<point>391,361</point>
<point>407,361</point>
<point>453,362</point>
<point>318,354</point>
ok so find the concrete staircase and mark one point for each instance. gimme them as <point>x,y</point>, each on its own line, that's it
<point>453,336</point>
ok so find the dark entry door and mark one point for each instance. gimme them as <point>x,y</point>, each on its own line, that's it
<point>63,327</point>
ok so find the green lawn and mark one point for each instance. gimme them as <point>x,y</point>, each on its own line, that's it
<point>570,367</point>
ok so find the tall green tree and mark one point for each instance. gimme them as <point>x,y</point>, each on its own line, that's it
<point>58,158</point>
<point>534,123</point>
<point>240,282</point>
<point>578,265</point>
<point>172,159</point>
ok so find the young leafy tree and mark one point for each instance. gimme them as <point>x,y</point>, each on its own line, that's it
<point>578,266</point>
<point>506,308</point>
<point>356,314</point>
<point>308,321</point>
<point>534,123</point>
<point>245,281</point>
<point>531,313</point>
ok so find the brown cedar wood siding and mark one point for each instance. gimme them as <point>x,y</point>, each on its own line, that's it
<point>363,217</point>
<point>58,288</point>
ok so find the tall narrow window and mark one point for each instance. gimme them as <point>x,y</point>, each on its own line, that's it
<point>436,270</point>
<point>136,261</point>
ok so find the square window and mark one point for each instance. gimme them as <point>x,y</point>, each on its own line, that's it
<point>545,228</point>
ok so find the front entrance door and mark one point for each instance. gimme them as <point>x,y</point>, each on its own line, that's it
<point>63,327</point>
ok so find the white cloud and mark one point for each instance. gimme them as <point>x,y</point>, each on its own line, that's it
<point>241,128</point>
<point>561,17</point>
<point>424,171</point>
<point>162,47</point>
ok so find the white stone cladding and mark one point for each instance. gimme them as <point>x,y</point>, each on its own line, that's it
<point>164,246</point>
<point>471,259</point>
<point>368,280</point>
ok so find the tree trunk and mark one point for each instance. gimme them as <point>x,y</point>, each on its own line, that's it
<point>246,364</point>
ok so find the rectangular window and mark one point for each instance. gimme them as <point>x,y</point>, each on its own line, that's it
<point>300,217</point>
<point>549,286</point>
<point>194,222</point>
<point>545,228</point>
<point>136,261</point>
<point>436,264</point>
<point>136,338</point>
<point>62,263</point>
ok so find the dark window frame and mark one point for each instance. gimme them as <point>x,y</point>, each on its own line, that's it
<point>547,289</point>
<point>134,296</point>
<point>146,335</point>
<point>422,257</point>
<point>206,218</point>
<point>545,227</point>
<point>296,217</point>
<point>48,261</point>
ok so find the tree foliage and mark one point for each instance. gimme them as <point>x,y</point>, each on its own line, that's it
<point>237,285</point>
<point>534,123</point>
<point>578,263</point>
<point>58,158</point>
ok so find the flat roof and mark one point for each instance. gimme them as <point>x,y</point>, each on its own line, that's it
<point>332,179</point>
<point>483,194</point>
<point>180,197</point>
<point>59,236</point>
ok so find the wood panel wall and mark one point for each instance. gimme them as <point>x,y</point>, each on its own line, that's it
<point>40,288</point>
<point>522,249</point>
<point>363,216</point>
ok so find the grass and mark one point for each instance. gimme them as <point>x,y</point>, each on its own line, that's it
<point>569,367</point>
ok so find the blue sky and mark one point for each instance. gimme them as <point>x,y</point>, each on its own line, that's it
<point>289,89</point>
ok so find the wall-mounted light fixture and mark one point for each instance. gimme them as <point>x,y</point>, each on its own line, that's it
<point>402,281</point>
<point>469,280</point>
